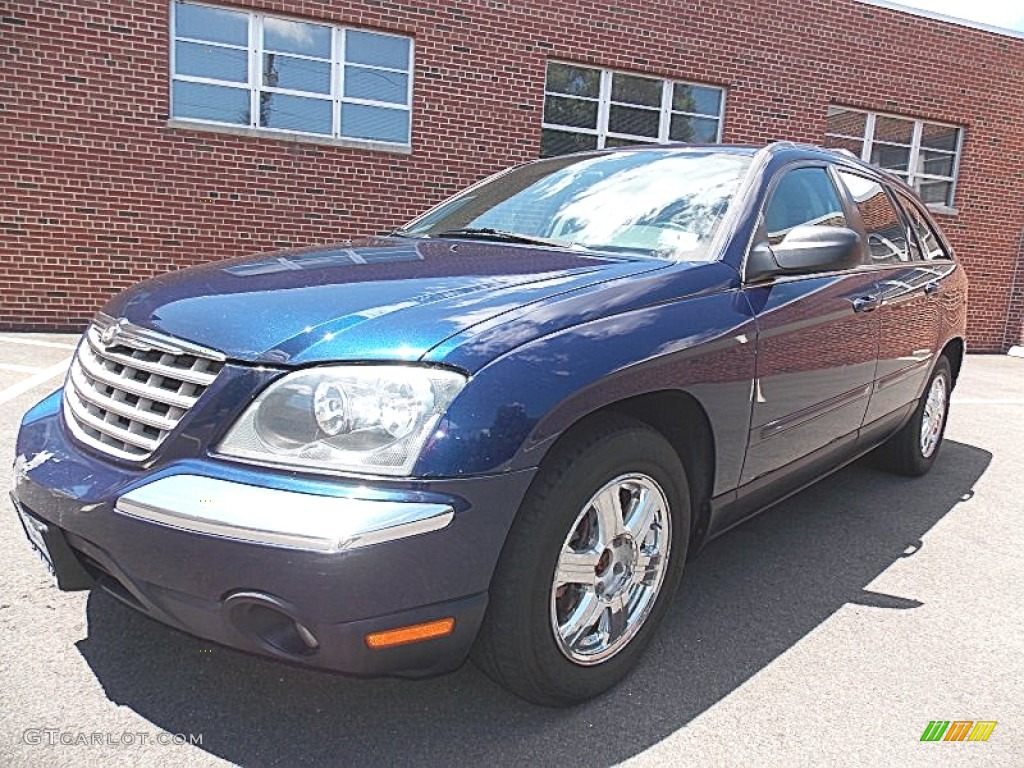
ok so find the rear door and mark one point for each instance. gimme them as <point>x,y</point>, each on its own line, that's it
<point>817,337</point>
<point>907,287</point>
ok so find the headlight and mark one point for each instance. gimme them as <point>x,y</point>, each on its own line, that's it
<point>356,418</point>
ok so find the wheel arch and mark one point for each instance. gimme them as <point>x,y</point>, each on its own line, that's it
<point>679,417</point>
<point>954,352</point>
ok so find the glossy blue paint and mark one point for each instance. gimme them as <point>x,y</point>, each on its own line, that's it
<point>687,328</point>
<point>381,299</point>
<point>182,578</point>
<point>549,336</point>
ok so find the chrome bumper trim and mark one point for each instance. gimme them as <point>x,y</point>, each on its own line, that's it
<point>278,518</point>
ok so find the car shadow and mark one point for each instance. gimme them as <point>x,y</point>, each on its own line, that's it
<point>749,597</point>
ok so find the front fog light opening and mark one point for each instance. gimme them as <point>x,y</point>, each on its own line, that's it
<point>260,619</point>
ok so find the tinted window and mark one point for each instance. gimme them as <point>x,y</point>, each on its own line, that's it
<point>886,232</point>
<point>805,196</point>
<point>931,245</point>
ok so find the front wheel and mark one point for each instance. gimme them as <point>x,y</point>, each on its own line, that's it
<point>913,449</point>
<point>590,565</point>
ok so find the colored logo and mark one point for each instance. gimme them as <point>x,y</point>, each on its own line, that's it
<point>958,730</point>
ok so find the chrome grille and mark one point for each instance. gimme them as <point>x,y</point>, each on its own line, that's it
<point>128,386</point>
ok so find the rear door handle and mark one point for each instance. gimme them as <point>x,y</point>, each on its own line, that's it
<point>867,303</point>
<point>930,289</point>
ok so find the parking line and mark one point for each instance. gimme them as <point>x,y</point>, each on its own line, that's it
<point>19,368</point>
<point>16,390</point>
<point>36,343</point>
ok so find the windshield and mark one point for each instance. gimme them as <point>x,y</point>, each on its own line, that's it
<point>666,203</point>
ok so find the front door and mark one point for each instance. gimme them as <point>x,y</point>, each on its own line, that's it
<point>817,339</point>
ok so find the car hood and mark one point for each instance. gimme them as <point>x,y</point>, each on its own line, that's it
<point>380,299</point>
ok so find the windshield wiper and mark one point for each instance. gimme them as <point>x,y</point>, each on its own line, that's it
<point>487,233</point>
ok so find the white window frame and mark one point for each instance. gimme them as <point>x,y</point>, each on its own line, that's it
<point>256,86</point>
<point>913,175</point>
<point>604,104</point>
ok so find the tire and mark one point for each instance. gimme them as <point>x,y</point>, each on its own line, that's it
<point>534,640</point>
<point>908,452</point>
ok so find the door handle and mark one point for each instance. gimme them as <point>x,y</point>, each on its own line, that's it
<point>867,303</point>
<point>930,289</point>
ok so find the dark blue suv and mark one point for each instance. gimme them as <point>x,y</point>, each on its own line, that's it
<point>500,431</point>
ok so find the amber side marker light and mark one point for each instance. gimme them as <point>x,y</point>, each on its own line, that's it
<point>411,634</point>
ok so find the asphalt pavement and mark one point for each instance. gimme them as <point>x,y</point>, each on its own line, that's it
<point>827,631</point>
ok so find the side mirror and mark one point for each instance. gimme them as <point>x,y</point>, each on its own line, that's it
<point>804,249</point>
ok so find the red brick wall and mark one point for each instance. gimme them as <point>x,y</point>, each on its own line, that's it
<point>98,191</point>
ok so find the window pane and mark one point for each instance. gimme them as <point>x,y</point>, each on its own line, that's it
<point>211,61</point>
<point>637,122</point>
<point>935,163</point>
<point>376,50</point>
<point>561,110</point>
<point>612,142</point>
<point>887,235</point>
<point>377,85</point>
<point>854,146</point>
<point>933,248</point>
<point>296,113</point>
<point>893,129</point>
<point>562,142</point>
<point>574,81</point>
<point>636,90</point>
<point>696,98</point>
<point>805,196</point>
<point>281,71</point>
<point>890,157</point>
<point>846,122</point>
<point>210,102</point>
<point>891,148</point>
<point>359,121</point>
<point>935,192</point>
<point>698,130</point>
<point>296,37</point>
<point>214,24</point>
<point>939,136</point>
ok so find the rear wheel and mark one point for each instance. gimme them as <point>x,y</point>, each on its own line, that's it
<point>913,449</point>
<point>590,565</point>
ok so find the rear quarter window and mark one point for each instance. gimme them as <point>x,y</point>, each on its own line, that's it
<point>887,235</point>
<point>931,244</point>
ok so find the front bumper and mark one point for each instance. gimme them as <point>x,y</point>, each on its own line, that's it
<point>273,562</point>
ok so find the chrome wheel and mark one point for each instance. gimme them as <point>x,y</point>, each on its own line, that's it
<point>610,569</point>
<point>934,416</point>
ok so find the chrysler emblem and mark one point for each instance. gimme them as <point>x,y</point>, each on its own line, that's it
<point>109,335</point>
